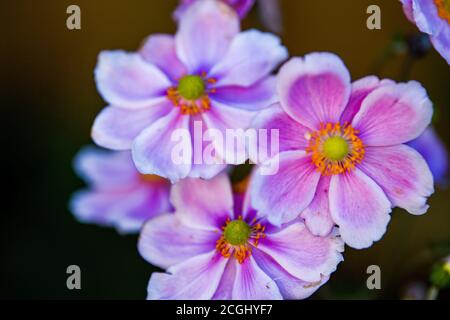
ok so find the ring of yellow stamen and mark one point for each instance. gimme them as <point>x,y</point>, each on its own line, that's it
<point>238,238</point>
<point>191,94</point>
<point>335,149</point>
<point>443,8</point>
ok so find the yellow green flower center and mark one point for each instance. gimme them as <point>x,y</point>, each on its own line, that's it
<point>191,87</point>
<point>335,148</point>
<point>237,232</point>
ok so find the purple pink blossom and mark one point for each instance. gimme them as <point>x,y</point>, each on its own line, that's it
<point>343,158</point>
<point>212,249</point>
<point>118,195</point>
<point>208,72</point>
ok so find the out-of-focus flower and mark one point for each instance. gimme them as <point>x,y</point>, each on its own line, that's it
<point>430,146</point>
<point>118,194</point>
<point>414,291</point>
<point>212,251</point>
<point>440,275</point>
<point>343,159</point>
<point>242,7</point>
<point>433,18</point>
<point>209,73</point>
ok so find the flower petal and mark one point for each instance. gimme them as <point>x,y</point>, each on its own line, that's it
<point>115,128</point>
<point>314,89</point>
<point>251,57</point>
<point>204,204</point>
<point>441,43</point>
<point>426,16</point>
<point>159,50</point>
<point>251,283</point>
<point>393,114</point>
<point>154,147</point>
<point>231,124</point>
<point>291,134</point>
<point>290,287</point>
<point>165,241</point>
<point>205,33</point>
<point>93,206</point>
<point>408,9</point>
<point>317,215</point>
<point>302,254</point>
<point>194,279</point>
<point>225,289</point>
<point>126,80</point>
<point>403,175</point>
<point>359,207</point>
<point>433,150</point>
<point>254,98</point>
<point>284,195</point>
<point>105,169</point>
<point>360,89</point>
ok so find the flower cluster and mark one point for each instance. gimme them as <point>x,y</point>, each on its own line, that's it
<point>347,154</point>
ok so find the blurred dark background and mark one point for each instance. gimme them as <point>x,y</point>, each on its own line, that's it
<point>49,102</point>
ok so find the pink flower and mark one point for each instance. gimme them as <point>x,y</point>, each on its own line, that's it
<point>119,195</point>
<point>242,7</point>
<point>343,159</point>
<point>208,73</point>
<point>211,251</point>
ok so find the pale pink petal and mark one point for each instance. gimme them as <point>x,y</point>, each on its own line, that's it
<point>314,89</point>
<point>159,49</point>
<point>231,123</point>
<point>193,279</point>
<point>359,207</point>
<point>115,128</point>
<point>126,80</point>
<point>205,33</point>
<point>251,283</point>
<point>302,254</point>
<point>317,215</point>
<point>403,175</point>
<point>291,134</point>
<point>251,57</point>
<point>154,147</point>
<point>360,89</point>
<point>165,241</point>
<point>284,195</point>
<point>393,114</point>
<point>105,169</point>
<point>204,204</point>
<point>290,287</point>
<point>254,98</point>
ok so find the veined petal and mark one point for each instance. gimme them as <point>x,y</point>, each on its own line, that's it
<point>152,149</point>
<point>126,80</point>
<point>204,204</point>
<point>193,279</point>
<point>291,134</point>
<point>426,16</point>
<point>159,50</point>
<point>359,207</point>
<point>165,241</point>
<point>315,89</point>
<point>251,283</point>
<point>205,33</point>
<point>251,57</point>
<point>290,287</point>
<point>403,175</point>
<point>115,128</point>
<point>254,98</point>
<point>317,215</point>
<point>393,114</point>
<point>285,194</point>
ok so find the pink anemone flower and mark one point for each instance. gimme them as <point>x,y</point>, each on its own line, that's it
<point>118,195</point>
<point>212,251</point>
<point>343,158</point>
<point>210,74</point>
